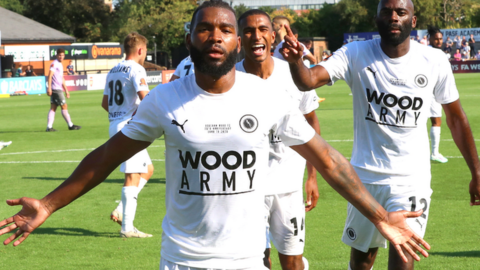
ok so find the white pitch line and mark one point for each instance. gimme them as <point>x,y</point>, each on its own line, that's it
<point>59,151</point>
<point>53,161</point>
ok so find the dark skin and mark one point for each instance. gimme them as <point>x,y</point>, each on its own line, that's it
<point>256,30</point>
<point>95,168</point>
<point>397,12</point>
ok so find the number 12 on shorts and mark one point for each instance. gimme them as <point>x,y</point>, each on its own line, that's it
<point>413,199</point>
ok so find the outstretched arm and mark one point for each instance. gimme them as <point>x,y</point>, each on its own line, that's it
<point>462,135</point>
<point>306,79</point>
<point>93,170</point>
<point>339,174</point>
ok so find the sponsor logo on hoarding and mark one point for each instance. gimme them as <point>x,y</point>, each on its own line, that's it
<point>34,85</point>
<point>106,51</point>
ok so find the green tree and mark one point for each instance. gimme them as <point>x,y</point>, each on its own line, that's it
<point>163,19</point>
<point>240,9</point>
<point>13,5</point>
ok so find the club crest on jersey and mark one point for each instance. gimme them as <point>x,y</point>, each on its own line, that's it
<point>248,123</point>
<point>142,82</point>
<point>421,80</point>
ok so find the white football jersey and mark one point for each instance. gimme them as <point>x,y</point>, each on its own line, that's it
<point>391,106</point>
<point>216,163</point>
<point>123,82</point>
<point>287,167</point>
<point>185,68</point>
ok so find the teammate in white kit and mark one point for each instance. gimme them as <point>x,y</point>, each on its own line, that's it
<point>56,86</point>
<point>392,81</point>
<point>216,126</point>
<point>285,209</point>
<point>436,41</point>
<point>183,69</point>
<point>125,87</point>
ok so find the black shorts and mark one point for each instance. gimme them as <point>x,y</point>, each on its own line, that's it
<point>58,98</point>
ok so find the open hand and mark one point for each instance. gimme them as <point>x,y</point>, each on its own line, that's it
<point>291,50</point>
<point>396,230</point>
<point>311,190</point>
<point>32,215</point>
<point>474,190</point>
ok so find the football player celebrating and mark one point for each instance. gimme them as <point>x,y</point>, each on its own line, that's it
<point>392,80</point>
<point>216,126</point>
<point>125,88</point>
<point>284,206</point>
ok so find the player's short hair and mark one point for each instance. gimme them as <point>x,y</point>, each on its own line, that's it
<point>433,30</point>
<point>252,12</point>
<point>281,18</point>
<point>60,50</point>
<point>132,40</point>
<point>211,3</point>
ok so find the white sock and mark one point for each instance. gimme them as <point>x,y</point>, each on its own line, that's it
<point>435,137</point>
<point>142,183</point>
<point>349,268</point>
<point>129,200</point>
<point>140,187</point>
<point>305,263</point>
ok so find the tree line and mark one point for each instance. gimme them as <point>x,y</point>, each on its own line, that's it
<point>92,20</point>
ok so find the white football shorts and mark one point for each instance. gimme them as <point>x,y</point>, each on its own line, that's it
<point>362,235</point>
<point>168,265</point>
<point>435,109</point>
<point>285,215</point>
<point>140,161</point>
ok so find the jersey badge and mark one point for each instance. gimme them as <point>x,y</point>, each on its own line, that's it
<point>248,123</point>
<point>142,82</point>
<point>421,80</point>
<point>174,122</point>
<point>351,234</point>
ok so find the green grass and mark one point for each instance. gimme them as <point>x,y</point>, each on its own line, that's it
<point>81,236</point>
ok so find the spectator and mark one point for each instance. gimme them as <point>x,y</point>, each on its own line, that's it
<point>465,55</point>
<point>70,69</point>
<point>449,42</point>
<point>29,71</point>
<point>19,71</point>
<point>464,41</point>
<point>309,45</point>
<point>457,55</point>
<point>418,39</point>
<point>448,48</point>
<point>424,40</point>
<point>477,56</point>
<point>325,56</point>
<point>466,49</point>
<point>471,44</point>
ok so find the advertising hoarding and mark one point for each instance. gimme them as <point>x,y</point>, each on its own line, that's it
<point>154,77</point>
<point>96,81</point>
<point>71,52</point>
<point>27,85</point>
<point>28,53</point>
<point>472,66</point>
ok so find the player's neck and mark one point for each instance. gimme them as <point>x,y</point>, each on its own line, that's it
<point>215,85</point>
<point>395,51</point>
<point>261,69</point>
<point>131,57</point>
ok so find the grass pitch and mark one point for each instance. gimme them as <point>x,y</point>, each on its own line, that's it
<point>81,236</point>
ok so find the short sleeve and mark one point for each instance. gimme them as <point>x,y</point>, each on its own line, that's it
<point>105,89</point>
<point>309,102</point>
<point>52,66</point>
<point>139,79</point>
<point>145,124</point>
<point>445,90</point>
<point>178,70</point>
<point>291,127</point>
<point>337,65</point>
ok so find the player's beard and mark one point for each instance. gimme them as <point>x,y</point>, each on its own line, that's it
<point>212,68</point>
<point>392,39</point>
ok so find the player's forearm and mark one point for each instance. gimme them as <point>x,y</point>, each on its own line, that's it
<point>341,176</point>
<point>312,120</point>
<point>301,76</point>
<point>463,137</point>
